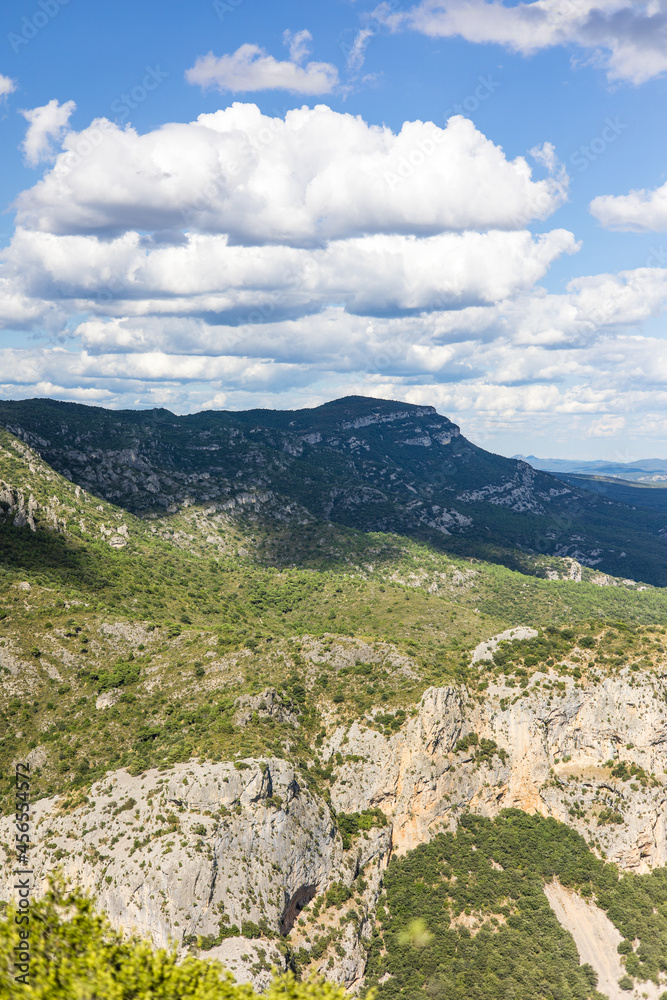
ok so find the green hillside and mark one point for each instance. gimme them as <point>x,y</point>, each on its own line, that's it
<point>79,617</point>
<point>465,917</point>
<point>368,464</point>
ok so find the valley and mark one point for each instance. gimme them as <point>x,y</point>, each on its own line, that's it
<point>277,674</point>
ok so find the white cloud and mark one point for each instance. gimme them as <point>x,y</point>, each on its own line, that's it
<point>22,310</point>
<point>106,371</point>
<point>607,426</point>
<point>244,260</point>
<point>251,68</point>
<point>357,53</point>
<point>7,86</point>
<point>298,44</point>
<point>638,211</point>
<point>627,37</point>
<point>367,275</point>
<point>46,127</point>
<point>530,397</point>
<point>315,175</point>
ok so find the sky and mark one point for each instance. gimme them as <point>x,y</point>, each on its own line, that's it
<point>235,203</point>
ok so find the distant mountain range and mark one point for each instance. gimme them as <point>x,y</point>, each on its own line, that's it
<point>646,470</point>
<point>369,464</point>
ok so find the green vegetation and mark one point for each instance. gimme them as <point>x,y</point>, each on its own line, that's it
<point>173,629</point>
<point>633,772</point>
<point>481,751</point>
<point>74,952</point>
<point>352,824</point>
<point>345,462</point>
<point>489,932</point>
<point>223,631</point>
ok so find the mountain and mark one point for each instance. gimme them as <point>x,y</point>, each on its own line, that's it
<point>263,730</point>
<point>373,465</point>
<point>646,470</point>
<point>650,496</point>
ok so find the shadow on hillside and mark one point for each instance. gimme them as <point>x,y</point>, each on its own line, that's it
<point>52,559</point>
<point>326,545</point>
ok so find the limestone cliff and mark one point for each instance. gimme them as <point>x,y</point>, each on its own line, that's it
<point>225,852</point>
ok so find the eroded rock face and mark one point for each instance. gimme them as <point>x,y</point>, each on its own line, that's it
<point>193,850</point>
<point>267,705</point>
<point>554,744</point>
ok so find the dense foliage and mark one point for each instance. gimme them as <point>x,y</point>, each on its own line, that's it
<point>352,824</point>
<point>488,931</point>
<point>75,953</point>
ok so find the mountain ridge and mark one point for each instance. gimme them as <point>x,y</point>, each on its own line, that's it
<point>643,470</point>
<point>374,465</point>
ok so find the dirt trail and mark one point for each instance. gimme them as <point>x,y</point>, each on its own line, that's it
<point>596,939</point>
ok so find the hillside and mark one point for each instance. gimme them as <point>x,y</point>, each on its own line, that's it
<point>239,713</point>
<point>649,495</point>
<point>368,464</point>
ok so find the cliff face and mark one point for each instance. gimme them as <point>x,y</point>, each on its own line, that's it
<point>195,850</point>
<point>205,848</point>
<point>552,748</point>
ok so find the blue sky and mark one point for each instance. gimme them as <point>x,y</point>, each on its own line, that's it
<point>457,203</point>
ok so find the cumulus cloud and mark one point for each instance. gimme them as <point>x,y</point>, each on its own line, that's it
<point>368,275</point>
<point>315,175</point>
<point>251,68</point>
<point>108,371</point>
<point>46,127</point>
<point>265,261</point>
<point>639,211</point>
<point>21,310</point>
<point>627,37</point>
<point>497,390</point>
<point>485,384</point>
<point>7,86</point>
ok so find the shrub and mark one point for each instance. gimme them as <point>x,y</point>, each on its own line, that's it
<point>351,824</point>
<point>337,895</point>
<point>75,952</point>
<point>119,675</point>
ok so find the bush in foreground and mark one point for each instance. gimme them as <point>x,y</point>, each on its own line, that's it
<point>75,954</point>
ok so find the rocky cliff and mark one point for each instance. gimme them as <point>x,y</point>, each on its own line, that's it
<point>246,858</point>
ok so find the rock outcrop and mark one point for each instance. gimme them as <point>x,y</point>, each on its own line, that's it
<point>597,942</point>
<point>221,852</point>
<point>554,746</point>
